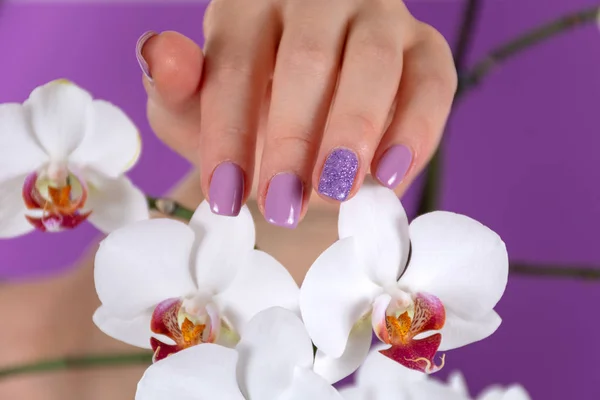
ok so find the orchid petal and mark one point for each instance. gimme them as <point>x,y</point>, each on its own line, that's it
<point>116,203</point>
<point>274,344</point>
<point>111,144</point>
<point>308,385</point>
<point>356,393</point>
<point>223,243</point>
<point>378,368</point>
<point>514,392</point>
<point>376,219</point>
<point>58,112</point>
<point>456,380</point>
<point>433,390</point>
<point>458,260</point>
<point>20,154</point>
<point>142,264</point>
<point>133,331</point>
<point>335,295</point>
<point>205,372</point>
<point>458,332</point>
<point>12,209</point>
<point>359,342</point>
<point>261,283</point>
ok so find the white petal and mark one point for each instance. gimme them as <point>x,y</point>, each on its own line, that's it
<point>223,242</point>
<point>359,342</point>
<point>308,385</point>
<point>261,283</point>
<point>459,260</point>
<point>376,219</point>
<point>58,112</point>
<point>433,390</point>
<point>456,380</point>
<point>134,331</point>
<point>205,372</point>
<point>356,393</point>
<point>111,144</point>
<point>458,332</point>
<point>274,344</point>
<point>116,203</point>
<point>378,369</point>
<point>335,295</point>
<point>143,264</point>
<point>514,392</point>
<point>20,154</point>
<point>12,209</point>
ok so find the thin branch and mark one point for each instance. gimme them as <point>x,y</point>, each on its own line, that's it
<point>474,75</point>
<point>170,208</point>
<point>431,186</point>
<point>66,363</point>
<point>555,271</point>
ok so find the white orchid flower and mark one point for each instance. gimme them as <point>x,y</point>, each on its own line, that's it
<point>457,382</point>
<point>273,361</point>
<point>380,378</point>
<point>440,299</point>
<point>169,286</point>
<point>62,160</point>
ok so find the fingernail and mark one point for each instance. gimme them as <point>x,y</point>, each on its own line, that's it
<point>138,53</point>
<point>394,165</point>
<point>284,200</point>
<point>338,174</point>
<point>226,189</point>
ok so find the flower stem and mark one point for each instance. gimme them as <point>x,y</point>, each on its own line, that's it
<point>90,361</point>
<point>556,271</point>
<point>169,208</point>
<point>472,77</point>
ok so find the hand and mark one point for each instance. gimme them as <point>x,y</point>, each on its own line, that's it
<point>316,93</point>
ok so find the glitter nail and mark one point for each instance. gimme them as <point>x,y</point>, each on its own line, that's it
<point>338,174</point>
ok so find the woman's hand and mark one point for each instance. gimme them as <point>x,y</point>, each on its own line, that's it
<point>314,93</point>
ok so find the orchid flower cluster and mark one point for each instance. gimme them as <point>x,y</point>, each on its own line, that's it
<point>225,320</point>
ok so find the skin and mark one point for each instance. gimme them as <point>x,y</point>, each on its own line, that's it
<point>269,111</point>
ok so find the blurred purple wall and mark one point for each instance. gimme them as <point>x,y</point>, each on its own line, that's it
<point>521,157</point>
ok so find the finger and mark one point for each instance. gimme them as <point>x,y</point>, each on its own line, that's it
<point>239,57</point>
<point>367,87</point>
<point>424,101</point>
<point>172,67</point>
<point>303,84</point>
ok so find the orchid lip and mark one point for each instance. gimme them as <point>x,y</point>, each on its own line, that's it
<point>50,199</point>
<point>399,323</point>
<point>187,322</point>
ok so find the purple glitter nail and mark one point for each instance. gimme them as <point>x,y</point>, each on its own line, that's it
<point>338,174</point>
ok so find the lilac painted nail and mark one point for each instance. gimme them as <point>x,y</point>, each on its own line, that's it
<point>394,165</point>
<point>226,189</point>
<point>338,174</point>
<point>138,53</point>
<point>284,200</point>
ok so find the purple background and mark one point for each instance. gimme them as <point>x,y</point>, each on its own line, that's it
<point>521,157</point>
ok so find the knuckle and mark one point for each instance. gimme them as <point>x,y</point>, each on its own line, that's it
<point>309,54</point>
<point>440,86</point>
<point>291,147</point>
<point>378,47</point>
<point>363,123</point>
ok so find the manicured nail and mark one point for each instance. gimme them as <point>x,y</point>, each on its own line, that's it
<point>338,174</point>
<point>284,200</point>
<point>394,165</point>
<point>138,53</point>
<point>226,189</point>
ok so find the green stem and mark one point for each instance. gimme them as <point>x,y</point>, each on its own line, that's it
<point>90,361</point>
<point>169,208</point>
